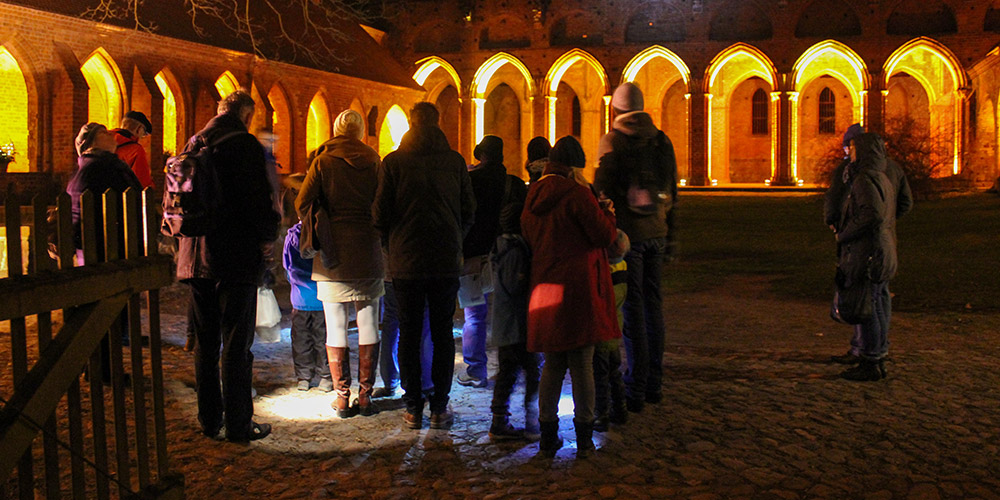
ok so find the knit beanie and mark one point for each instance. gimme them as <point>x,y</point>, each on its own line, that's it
<point>538,148</point>
<point>568,152</point>
<point>627,97</point>
<point>85,139</point>
<point>349,123</point>
<point>852,133</point>
<point>491,147</point>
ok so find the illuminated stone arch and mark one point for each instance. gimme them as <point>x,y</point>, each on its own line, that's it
<point>318,122</point>
<point>443,87</point>
<point>665,80</point>
<point>281,126</point>
<point>833,59</point>
<point>226,84</point>
<point>14,112</point>
<point>503,68</point>
<point>173,111</point>
<point>576,69</point>
<point>394,126</point>
<point>941,76</point>
<point>106,98</point>
<point>730,68</point>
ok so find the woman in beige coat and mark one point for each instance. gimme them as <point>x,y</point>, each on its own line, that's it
<point>342,179</point>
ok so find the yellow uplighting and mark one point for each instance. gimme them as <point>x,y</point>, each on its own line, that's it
<point>640,60</point>
<point>607,114</point>
<point>552,117</point>
<point>394,127</point>
<point>428,65</point>
<point>485,73</point>
<point>105,95</point>
<point>226,84</point>
<point>169,129</point>
<point>318,123</point>
<point>25,234</point>
<point>755,62</point>
<point>775,97</point>
<point>14,112</point>
<point>479,104</point>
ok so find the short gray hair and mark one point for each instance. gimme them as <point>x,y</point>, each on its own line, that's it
<point>236,102</point>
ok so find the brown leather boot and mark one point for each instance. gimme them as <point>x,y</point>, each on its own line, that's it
<point>367,363</point>
<point>340,371</point>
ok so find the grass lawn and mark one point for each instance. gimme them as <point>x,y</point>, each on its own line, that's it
<point>949,249</point>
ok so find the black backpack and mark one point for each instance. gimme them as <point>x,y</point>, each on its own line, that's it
<point>644,183</point>
<point>191,193</point>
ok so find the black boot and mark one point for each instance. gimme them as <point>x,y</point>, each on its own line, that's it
<point>602,422</point>
<point>501,430</point>
<point>550,441</point>
<point>584,438</point>
<point>865,371</point>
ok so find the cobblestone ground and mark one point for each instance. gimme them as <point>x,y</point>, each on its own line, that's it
<point>751,409</point>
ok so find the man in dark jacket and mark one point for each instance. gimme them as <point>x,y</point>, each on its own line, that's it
<point>866,241</point>
<point>638,172</point>
<point>223,270</point>
<point>493,188</point>
<point>833,201</point>
<point>424,206</point>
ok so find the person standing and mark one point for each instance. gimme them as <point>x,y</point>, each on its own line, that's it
<point>638,172</point>
<point>343,178</point>
<point>493,188</point>
<point>572,303</point>
<point>308,322</point>
<point>134,127</point>
<point>223,270</point>
<point>424,207</point>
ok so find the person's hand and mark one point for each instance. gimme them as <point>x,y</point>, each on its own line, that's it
<point>606,204</point>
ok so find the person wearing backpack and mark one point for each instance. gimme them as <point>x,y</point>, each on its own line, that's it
<point>224,263</point>
<point>638,172</point>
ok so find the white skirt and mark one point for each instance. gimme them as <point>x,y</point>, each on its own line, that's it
<point>350,290</point>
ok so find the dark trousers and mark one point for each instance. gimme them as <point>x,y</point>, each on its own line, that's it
<point>643,311</point>
<point>224,317</point>
<point>609,389</point>
<point>438,294</point>
<point>875,330</point>
<point>513,359</point>
<point>309,345</point>
<point>388,357</point>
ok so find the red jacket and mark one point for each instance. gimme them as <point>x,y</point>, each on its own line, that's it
<point>133,154</point>
<point>572,301</point>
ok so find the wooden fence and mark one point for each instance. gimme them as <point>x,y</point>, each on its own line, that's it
<point>65,432</point>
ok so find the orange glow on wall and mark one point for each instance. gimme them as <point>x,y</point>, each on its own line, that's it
<point>318,123</point>
<point>14,112</point>
<point>226,84</point>
<point>105,97</point>
<point>394,126</point>
<point>169,128</point>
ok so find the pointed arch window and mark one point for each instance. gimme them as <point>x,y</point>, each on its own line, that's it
<point>758,111</point>
<point>827,112</point>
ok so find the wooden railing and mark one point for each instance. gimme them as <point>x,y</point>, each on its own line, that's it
<point>54,423</point>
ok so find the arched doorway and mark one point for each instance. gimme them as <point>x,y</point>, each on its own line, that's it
<point>576,86</point>
<point>317,124</point>
<point>281,127</point>
<point>394,126</point>
<point>441,81</point>
<point>504,69</point>
<point>173,134</point>
<point>105,97</point>
<point>502,119</point>
<point>14,112</point>
<point>742,120</point>
<point>226,84</point>
<point>664,79</point>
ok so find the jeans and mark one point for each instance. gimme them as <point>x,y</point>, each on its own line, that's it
<point>474,339</point>
<point>643,329</point>
<point>224,317</point>
<point>513,359</point>
<point>388,361</point>
<point>875,330</point>
<point>438,296</point>
<point>609,389</point>
<point>309,345</point>
<point>580,362</point>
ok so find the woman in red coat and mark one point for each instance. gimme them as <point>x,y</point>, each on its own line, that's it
<point>572,304</point>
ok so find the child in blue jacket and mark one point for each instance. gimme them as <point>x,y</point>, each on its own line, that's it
<point>308,321</point>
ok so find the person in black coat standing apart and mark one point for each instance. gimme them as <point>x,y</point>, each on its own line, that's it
<point>223,270</point>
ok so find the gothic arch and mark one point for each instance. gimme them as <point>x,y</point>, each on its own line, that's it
<point>281,126</point>
<point>172,127</point>
<point>106,96</point>
<point>14,116</point>
<point>391,132</point>
<point>428,67</point>
<point>592,102</point>
<point>482,84</point>
<point>318,122</point>
<point>651,53</point>
<point>226,84</point>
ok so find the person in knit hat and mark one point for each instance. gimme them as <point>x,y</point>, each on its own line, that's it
<point>538,157</point>
<point>638,172</point>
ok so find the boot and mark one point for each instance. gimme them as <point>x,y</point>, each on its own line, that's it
<point>501,430</point>
<point>602,422</point>
<point>531,430</point>
<point>584,438</point>
<point>550,441</point>
<point>865,371</point>
<point>367,363</point>
<point>340,372</point>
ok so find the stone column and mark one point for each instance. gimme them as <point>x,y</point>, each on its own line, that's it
<point>875,119</point>
<point>698,135</point>
<point>783,140</point>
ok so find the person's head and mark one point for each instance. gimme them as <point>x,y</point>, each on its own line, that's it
<point>424,114</point>
<point>239,104</point>
<point>850,134</point>
<point>568,153</point>
<point>489,150</point>
<point>627,98</point>
<point>349,123</point>
<point>137,124</point>
<point>538,148</point>
<point>94,137</point>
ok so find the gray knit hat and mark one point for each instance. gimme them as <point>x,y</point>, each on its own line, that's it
<point>85,139</point>
<point>627,97</point>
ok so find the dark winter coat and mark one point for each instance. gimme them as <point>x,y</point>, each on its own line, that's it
<point>344,177</point>
<point>572,302</point>
<point>489,182</point>
<point>247,218</point>
<point>834,197</point>
<point>866,235</point>
<point>635,131</point>
<point>424,206</point>
<point>97,172</point>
